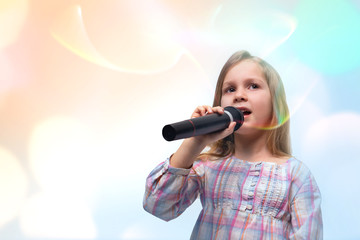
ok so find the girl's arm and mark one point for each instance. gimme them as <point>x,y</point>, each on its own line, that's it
<point>306,217</point>
<point>174,185</point>
<point>169,191</point>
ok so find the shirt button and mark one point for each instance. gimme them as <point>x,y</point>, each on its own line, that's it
<point>249,207</point>
<point>253,184</point>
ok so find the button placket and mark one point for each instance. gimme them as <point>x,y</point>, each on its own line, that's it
<point>253,178</point>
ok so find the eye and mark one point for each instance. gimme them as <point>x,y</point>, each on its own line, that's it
<point>229,90</point>
<point>253,86</point>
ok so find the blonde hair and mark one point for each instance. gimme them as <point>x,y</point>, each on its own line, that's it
<point>278,141</point>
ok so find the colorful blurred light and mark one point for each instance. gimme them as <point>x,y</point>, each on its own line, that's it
<point>69,31</point>
<point>251,25</point>
<point>143,43</point>
<point>86,87</point>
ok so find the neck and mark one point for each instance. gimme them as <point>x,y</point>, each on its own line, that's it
<point>252,148</point>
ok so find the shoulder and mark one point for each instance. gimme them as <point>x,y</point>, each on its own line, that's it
<point>297,169</point>
<point>301,177</point>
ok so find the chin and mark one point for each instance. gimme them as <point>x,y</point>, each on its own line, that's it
<point>248,129</point>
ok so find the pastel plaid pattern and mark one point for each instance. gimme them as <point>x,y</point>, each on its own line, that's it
<point>241,200</point>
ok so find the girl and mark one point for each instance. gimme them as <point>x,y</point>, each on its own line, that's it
<point>249,185</point>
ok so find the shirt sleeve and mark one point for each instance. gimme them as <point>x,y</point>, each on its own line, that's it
<point>305,209</point>
<point>169,191</point>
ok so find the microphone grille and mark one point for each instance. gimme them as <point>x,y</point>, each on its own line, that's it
<point>237,115</point>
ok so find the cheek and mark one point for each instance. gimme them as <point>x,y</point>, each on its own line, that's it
<point>270,111</point>
<point>267,109</point>
<point>270,114</point>
<point>224,102</point>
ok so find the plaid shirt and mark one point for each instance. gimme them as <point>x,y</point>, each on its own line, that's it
<point>241,200</point>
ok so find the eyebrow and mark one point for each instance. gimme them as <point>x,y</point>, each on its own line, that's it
<point>233,82</point>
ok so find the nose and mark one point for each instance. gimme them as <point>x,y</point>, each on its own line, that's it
<point>240,96</point>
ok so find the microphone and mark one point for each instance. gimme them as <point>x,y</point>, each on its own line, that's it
<point>203,125</point>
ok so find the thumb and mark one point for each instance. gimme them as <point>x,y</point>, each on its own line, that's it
<point>231,127</point>
<point>229,130</point>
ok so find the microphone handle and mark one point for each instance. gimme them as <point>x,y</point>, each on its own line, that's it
<point>196,126</point>
<point>203,125</point>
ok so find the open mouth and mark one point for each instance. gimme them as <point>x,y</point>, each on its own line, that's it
<point>246,112</point>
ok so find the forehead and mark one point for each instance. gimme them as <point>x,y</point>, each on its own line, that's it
<point>245,70</point>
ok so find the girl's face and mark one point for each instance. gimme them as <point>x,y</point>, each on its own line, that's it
<point>245,88</point>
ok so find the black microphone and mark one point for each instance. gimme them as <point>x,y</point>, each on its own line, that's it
<point>203,125</point>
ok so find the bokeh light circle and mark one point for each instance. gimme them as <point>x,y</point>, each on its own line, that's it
<point>327,37</point>
<point>13,14</point>
<point>61,149</point>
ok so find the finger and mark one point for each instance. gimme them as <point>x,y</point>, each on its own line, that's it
<point>202,110</point>
<point>209,109</point>
<point>220,135</point>
<point>229,130</point>
<point>218,109</point>
<point>199,111</point>
<point>231,126</point>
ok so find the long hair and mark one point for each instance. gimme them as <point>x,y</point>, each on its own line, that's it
<point>278,141</point>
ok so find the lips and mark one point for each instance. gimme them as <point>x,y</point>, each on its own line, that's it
<point>245,111</point>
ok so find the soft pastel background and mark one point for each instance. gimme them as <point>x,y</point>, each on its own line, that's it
<point>86,87</point>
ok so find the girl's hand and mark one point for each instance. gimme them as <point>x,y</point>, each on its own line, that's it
<point>204,110</point>
<point>212,137</point>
